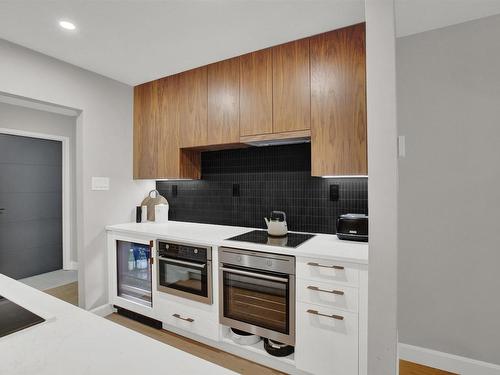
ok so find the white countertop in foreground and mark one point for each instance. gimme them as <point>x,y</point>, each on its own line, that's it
<point>323,246</point>
<point>75,342</point>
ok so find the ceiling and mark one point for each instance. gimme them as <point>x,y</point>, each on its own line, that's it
<point>416,16</point>
<point>135,41</point>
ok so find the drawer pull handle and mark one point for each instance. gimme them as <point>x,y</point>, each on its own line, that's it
<point>315,288</point>
<point>181,318</point>
<point>333,316</point>
<point>314,264</point>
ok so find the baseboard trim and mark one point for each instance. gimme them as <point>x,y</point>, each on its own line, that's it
<point>446,361</point>
<point>71,266</point>
<point>103,310</point>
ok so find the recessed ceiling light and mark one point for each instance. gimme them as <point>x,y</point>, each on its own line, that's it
<point>67,25</point>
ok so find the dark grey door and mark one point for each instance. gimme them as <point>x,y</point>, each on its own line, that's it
<point>30,206</point>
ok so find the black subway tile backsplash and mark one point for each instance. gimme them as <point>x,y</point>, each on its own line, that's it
<point>240,187</point>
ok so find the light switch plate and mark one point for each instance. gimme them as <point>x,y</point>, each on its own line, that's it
<point>100,183</point>
<point>401,146</point>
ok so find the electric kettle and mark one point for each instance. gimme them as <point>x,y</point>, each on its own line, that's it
<point>276,224</point>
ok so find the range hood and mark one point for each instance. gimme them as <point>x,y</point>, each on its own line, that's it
<point>276,142</point>
<point>274,139</point>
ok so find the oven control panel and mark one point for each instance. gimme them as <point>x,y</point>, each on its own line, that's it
<point>183,251</point>
<point>257,260</point>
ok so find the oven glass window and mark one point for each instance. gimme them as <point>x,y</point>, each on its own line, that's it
<point>186,278</point>
<point>260,302</point>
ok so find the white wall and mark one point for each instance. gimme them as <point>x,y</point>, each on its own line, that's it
<point>104,148</point>
<point>35,121</point>
<point>382,187</point>
<point>449,258</point>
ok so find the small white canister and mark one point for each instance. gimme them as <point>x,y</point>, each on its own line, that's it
<point>161,213</point>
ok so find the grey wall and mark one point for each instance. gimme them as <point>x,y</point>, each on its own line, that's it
<point>32,120</point>
<point>448,83</point>
<point>103,148</point>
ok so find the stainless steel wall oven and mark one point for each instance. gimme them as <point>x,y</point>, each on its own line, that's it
<point>185,270</point>
<point>257,293</point>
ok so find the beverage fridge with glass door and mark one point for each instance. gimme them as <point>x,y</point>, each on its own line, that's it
<point>134,272</point>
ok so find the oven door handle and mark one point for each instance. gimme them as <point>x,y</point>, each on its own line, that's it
<point>254,274</point>
<point>183,262</point>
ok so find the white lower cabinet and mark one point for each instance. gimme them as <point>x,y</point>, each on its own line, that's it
<point>190,319</point>
<point>330,319</point>
<point>327,340</point>
<point>327,294</point>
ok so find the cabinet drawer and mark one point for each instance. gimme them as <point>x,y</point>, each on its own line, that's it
<point>327,270</point>
<point>327,340</point>
<point>189,319</point>
<point>327,294</point>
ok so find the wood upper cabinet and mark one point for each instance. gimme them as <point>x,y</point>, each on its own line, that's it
<point>256,93</point>
<point>313,87</point>
<point>145,130</point>
<point>224,102</point>
<point>338,103</point>
<point>291,87</point>
<point>167,119</point>
<point>193,107</point>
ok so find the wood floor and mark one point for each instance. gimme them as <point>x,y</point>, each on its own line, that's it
<point>410,368</point>
<point>69,293</point>
<point>229,361</point>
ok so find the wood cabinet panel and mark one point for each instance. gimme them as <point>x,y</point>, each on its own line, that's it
<point>145,130</point>
<point>193,107</point>
<point>291,87</point>
<point>173,162</point>
<point>224,102</point>
<point>338,103</point>
<point>167,118</point>
<point>256,93</point>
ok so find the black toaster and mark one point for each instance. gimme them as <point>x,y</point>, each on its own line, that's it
<point>353,227</point>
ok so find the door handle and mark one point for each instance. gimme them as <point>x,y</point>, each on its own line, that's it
<point>315,288</point>
<point>314,264</point>
<point>333,316</point>
<point>254,274</point>
<point>190,320</point>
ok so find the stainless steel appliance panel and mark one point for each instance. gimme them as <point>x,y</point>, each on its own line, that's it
<point>185,270</point>
<point>257,293</point>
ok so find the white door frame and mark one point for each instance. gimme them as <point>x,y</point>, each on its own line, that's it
<point>66,190</point>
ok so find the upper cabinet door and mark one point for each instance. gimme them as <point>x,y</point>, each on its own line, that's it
<point>338,103</point>
<point>291,87</point>
<point>145,130</point>
<point>167,119</point>
<point>193,107</point>
<point>224,102</point>
<point>256,93</point>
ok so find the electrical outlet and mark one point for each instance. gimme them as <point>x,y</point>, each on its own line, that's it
<point>236,190</point>
<point>334,192</point>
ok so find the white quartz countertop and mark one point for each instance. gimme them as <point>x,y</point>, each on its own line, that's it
<point>323,246</point>
<point>76,342</point>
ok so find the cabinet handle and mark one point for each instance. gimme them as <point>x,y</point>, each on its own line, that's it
<point>314,264</point>
<point>181,318</point>
<point>333,316</point>
<point>338,292</point>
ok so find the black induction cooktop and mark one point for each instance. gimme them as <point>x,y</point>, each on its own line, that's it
<point>15,318</point>
<point>261,237</point>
